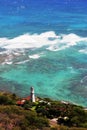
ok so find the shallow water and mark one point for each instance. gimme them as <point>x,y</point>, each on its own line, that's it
<point>44,44</point>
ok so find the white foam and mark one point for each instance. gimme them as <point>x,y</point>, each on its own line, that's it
<point>35,56</point>
<point>22,62</point>
<point>57,48</point>
<point>84,51</point>
<point>1,53</point>
<point>83,79</point>
<point>66,41</point>
<point>39,40</point>
<point>71,69</point>
<point>7,62</point>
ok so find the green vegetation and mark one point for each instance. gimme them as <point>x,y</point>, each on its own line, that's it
<point>38,115</point>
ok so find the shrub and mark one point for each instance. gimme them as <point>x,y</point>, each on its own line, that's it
<point>4,100</point>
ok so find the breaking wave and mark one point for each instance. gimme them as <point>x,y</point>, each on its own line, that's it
<point>51,39</point>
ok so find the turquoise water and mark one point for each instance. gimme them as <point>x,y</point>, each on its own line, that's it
<point>56,75</point>
<point>44,44</point>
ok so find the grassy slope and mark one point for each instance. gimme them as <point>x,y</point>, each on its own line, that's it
<point>34,116</point>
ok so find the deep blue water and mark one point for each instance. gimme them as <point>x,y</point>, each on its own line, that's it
<point>62,16</point>
<point>58,68</point>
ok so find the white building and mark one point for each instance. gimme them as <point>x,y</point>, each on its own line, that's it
<point>32,94</point>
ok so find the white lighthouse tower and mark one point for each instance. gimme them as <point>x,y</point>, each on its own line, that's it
<point>32,95</point>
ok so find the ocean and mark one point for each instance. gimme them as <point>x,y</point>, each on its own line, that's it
<point>44,44</point>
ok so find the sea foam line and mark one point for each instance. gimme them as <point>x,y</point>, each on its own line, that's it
<point>84,51</point>
<point>49,39</point>
<point>35,56</point>
<point>22,62</point>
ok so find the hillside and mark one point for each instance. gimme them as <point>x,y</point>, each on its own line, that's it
<point>44,114</point>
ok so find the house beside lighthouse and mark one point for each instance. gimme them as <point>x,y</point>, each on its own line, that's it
<point>31,98</point>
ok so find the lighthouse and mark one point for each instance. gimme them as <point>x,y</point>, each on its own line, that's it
<point>32,95</point>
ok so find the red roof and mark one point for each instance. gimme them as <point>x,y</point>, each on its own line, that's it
<point>22,101</point>
<point>27,98</point>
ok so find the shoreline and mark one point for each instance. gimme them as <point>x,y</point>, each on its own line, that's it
<point>43,97</point>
